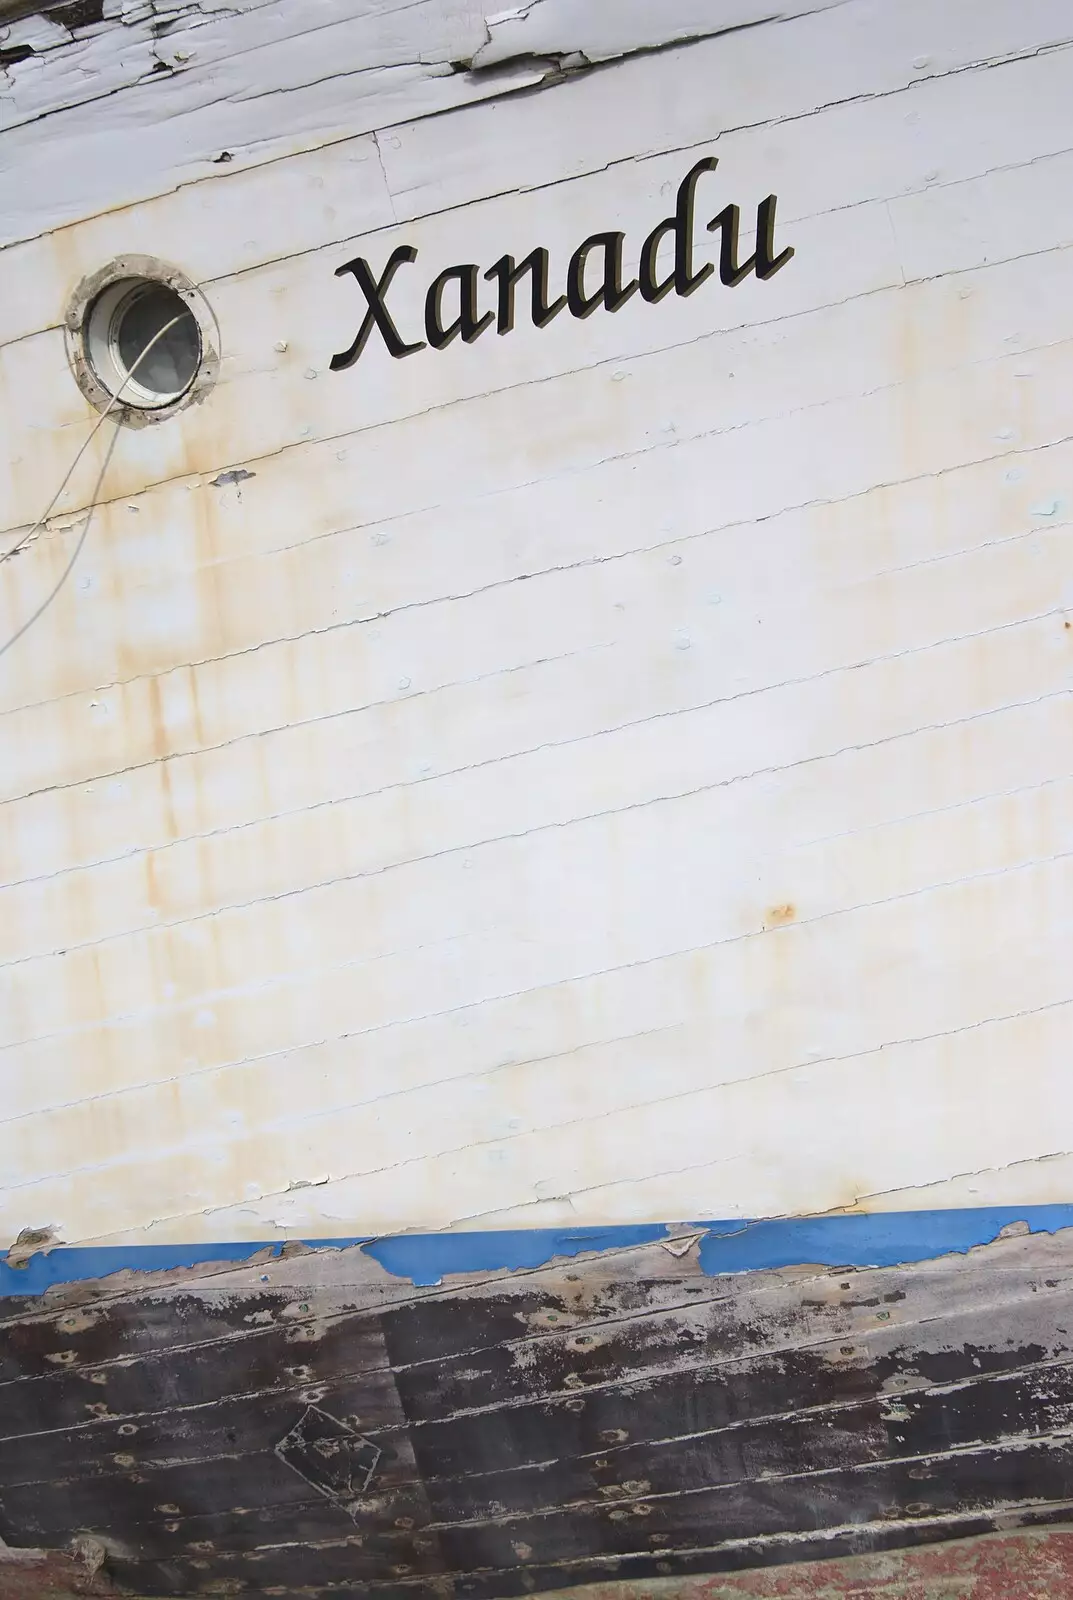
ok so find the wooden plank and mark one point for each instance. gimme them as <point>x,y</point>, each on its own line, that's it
<point>98,983</point>
<point>980,714</point>
<point>669,1525</point>
<point>117,52</point>
<point>955,1376</point>
<point>192,1378</point>
<point>944,227</point>
<point>629,998</point>
<point>529,1339</point>
<point>655,761</point>
<point>986,502</point>
<point>969,1481</point>
<point>187,589</point>
<point>248,306</point>
<point>899,1394</point>
<point>556,28</point>
<point>696,1369</point>
<point>776,77</point>
<point>497,1480</point>
<point>985,837</point>
<point>980,586</point>
<point>1016,1566</point>
<point>710,431</point>
<point>596,1162</point>
<point>247,964</point>
<point>170,1311</point>
<point>284,90</point>
<point>310,191</point>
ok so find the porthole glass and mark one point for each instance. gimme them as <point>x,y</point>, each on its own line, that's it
<point>142,338</point>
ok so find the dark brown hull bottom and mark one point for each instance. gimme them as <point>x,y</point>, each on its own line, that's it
<point>1019,1566</point>
<point>313,1426</point>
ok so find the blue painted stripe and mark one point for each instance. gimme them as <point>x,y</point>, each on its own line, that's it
<point>876,1240</point>
<point>880,1239</point>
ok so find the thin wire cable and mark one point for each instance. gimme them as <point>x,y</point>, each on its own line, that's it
<point>65,574</point>
<point>101,420</point>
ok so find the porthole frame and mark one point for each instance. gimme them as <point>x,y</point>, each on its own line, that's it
<point>80,339</point>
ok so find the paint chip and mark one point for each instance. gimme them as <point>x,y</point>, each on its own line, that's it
<point>29,1242</point>
<point>681,1247</point>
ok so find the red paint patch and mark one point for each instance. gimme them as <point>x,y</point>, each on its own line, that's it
<point>53,1577</point>
<point>1023,1566</point>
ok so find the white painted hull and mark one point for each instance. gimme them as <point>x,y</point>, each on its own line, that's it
<point>536,950</point>
<point>610,774</point>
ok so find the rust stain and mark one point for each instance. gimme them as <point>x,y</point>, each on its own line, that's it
<point>192,676</point>
<point>778,916</point>
<point>160,744</point>
<point>170,820</point>
<point>152,888</point>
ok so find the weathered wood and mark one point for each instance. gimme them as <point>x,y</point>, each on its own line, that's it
<point>553,1331</point>
<point>770,1407</point>
<point>1015,1566</point>
<point>609,772</point>
<point>164,85</point>
<point>754,78</point>
<point>332,406</point>
<point>550,541</point>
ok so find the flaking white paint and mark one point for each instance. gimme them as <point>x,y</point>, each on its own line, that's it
<point>615,772</point>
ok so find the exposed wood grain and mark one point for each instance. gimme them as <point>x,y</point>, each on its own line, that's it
<point>554,809</point>
<point>611,772</point>
<point>904,1394</point>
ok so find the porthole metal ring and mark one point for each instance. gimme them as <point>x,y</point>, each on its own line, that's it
<point>139,328</point>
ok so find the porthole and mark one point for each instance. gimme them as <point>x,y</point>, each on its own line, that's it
<point>139,331</point>
<point>142,340</point>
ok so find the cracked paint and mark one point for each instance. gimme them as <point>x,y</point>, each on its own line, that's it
<point>534,950</point>
<point>76,74</point>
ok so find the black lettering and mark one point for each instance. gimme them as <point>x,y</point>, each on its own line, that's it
<point>467,323</point>
<point>768,264</point>
<point>683,279</point>
<point>611,294</point>
<point>763,263</point>
<point>377,315</point>
<point>536,264</point>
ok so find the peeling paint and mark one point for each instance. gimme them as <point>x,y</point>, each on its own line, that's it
<point>885,1239</point>
<point>403,59</point>
<point>535,945</point>
<point>28,1244</point>
<point>608,1416</point>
